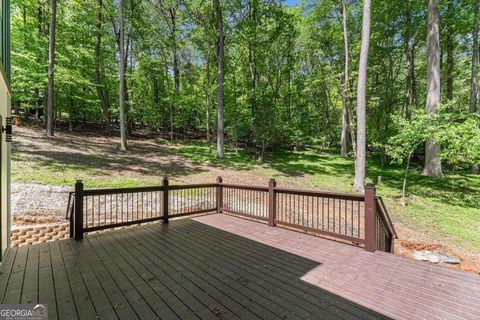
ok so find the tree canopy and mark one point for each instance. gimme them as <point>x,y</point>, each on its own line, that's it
<point>283,66</point>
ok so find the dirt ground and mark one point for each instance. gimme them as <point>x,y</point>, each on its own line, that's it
<point>148,160</point>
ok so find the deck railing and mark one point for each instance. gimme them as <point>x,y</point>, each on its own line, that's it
<point>358,219</point>
<point>384,227</point>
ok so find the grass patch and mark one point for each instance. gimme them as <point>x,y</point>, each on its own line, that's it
<point>34,170</point>
<point>206,153</point>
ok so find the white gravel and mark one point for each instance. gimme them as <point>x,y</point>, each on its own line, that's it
<point>36,203</point>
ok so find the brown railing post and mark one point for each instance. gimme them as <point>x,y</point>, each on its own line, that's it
<point>165,199</point>
<point>219,194</point>
<point>78,210</point>
<point>272,210</point>
<point>370,218</point>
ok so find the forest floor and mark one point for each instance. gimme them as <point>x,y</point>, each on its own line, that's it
<point>441,213</point>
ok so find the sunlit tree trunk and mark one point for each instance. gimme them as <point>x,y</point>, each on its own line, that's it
<point>433,165</point>
<point>51,69</point>
<point>474,76</point>
<point>121,89</point>
<point>220,77</point>
<point>359,180</point>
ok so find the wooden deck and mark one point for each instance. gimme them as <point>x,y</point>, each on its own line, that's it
<point>222,267</point>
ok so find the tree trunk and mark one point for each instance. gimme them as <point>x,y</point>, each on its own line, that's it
<point>220,76</point>
<point>474,76</point>
<point>176,68</point>
<point>98,71</point>
<point>410,97</point>
<point>127,96</point>
<point>433,165</point>
<point>450,48</point>
<point>41,100</point>
<point>345,120</point>
<point>405,176</point>
<point>358,183</point>
<point>51,69</point>
<point>170,103</point>
<point>121,86</point>
<point>344,134</point>
<point>207,98</point>
<point>252,63</point>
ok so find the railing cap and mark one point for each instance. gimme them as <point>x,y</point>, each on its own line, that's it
<point>370,186</point>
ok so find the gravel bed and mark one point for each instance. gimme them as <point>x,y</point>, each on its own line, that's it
<point>37,204</point>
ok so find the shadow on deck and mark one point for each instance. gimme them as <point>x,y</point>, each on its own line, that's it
<point>218,266</point>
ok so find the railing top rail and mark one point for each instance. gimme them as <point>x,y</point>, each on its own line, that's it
<point>244,187</point>
<point>96,192</point>
<point>192,186</point>
<point>386,217</point>
<point>336,195</point>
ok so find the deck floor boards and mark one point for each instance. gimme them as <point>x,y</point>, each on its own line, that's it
<point>223,267</point>
<point>391,285</point>
<point>279,293</point>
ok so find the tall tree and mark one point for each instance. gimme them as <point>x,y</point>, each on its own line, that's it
<point>169,10</point>
<point>450,34</point>
<point>121,84</point>
<point>474,75</point>
<point>220,77</point>
<point>51,69</point>
<point>345,114</point>
<point>252,53</point>
<point>433,165</point>
<point>359,180</point>
<point>409,48</point>
<point>207,97</point>
<point>102,95</point>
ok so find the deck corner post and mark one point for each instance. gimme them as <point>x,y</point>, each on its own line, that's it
<point>219,194</point>
<point>370,218</point>
<point>78,211</point>
<point>165,200</point>
<point>272,210</point>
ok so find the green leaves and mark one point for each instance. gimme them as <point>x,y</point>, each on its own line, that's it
<point>456,132</point>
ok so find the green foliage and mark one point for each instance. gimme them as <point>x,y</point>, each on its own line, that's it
<point>410,135</point>
<point>457,133</point>
<point>283,67</point>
